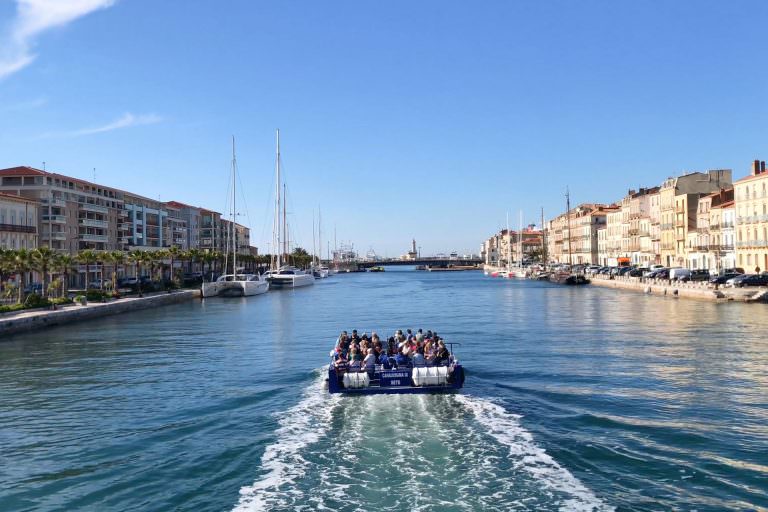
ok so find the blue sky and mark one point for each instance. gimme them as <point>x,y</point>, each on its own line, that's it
<point>400,119</point>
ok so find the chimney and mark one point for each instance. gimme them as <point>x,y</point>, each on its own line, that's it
<point>755,167</point>
<point>762,167</point>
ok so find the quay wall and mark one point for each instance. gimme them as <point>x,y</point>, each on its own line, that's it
<point>690,290</point>
<point>31,320</point>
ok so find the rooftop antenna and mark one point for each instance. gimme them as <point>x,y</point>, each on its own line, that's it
<point>43,166</point>
<point>94,175</point>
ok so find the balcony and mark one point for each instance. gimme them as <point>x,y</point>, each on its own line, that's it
<point>93,207</point>
<point>13,228</point>
<point>721,248</point>
<point>122,213</point>
<point>56,235</point>
<point>701,248</point>
<point>54,202</point>
<point>94,223</point>
<point>87,237</point>
<point>752,243</point>
<point>58,219</point>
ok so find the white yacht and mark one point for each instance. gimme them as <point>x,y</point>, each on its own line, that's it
<point>289,277</point>
<point>281,275</point>
<point>235,284</point>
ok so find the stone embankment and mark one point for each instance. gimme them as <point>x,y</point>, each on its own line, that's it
<point>37,319</point>
<point>692,290</point>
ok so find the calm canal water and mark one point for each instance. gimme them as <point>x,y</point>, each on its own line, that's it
<point>576,399</point>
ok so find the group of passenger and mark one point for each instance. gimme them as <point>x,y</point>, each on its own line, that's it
<point>355,352</point>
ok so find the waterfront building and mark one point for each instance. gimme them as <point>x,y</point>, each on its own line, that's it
<point>579,245</point>
<point>602,242</point>
<point>192,217</point>
<point>18,222</point>
<point>614,236</point>
<point>679,199</point>
<point>638,226</point>
<point>704,243</point>
<point>654,220</point>
<point>73,214</point>
<point>751,203</point>
<point>503,248</point>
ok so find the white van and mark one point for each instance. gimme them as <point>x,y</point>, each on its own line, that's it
<point>677,274</point>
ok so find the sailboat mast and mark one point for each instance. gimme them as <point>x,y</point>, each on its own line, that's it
<point>285,228</point>
<point>543,239</point>
<point>234,209</point>
<point>520,242</point>
<point>276,229</point>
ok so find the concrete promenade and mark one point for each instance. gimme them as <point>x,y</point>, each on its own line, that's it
<point>692,290</point>
<point>40,318</point>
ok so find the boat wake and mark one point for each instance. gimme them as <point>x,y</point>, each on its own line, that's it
<point>408,452</point>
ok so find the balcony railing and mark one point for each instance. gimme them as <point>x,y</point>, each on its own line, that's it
<point>54,202</point>
<point>56,235</point>
<point>59,219</point>
<point>13,228</point>
<point>93,238</point>
<point>752,243</point>
<point>92,222</point>
<point>93,207</point>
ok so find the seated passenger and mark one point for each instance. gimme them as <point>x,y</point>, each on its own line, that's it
<point>369,363</point>
<point>355,359</point>
<point>402,360</point>
<point>418,358</point>
<point>442,357</point>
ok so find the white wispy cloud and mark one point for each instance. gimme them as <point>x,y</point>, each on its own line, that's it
<point>24,105</point>
<point>127,120</point>
<point>33,17</point>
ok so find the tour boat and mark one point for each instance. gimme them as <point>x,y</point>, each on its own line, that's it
<point>377,269</point>
<point>401,381</point>
<point>237,284</point>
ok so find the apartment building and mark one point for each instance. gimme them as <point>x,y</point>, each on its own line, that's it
<point>679,200</point>
<point>572,237</point>
<point>73,214</point>
<point>751,203</point>
<point>704,243</point>
<point>18,222</point>
<point>614,226</point>
<point>503,248</point>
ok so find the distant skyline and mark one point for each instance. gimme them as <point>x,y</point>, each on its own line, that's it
<point>428,120</point>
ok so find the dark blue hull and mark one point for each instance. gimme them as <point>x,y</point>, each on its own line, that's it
<point>401,381</point>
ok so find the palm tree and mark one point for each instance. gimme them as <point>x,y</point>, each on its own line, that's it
<point>174,253</point>
<point>21,263</point>
<point>158,258</point>
<point>87,257</point>
<point>42,261</point>
<point>64,263</point>
<point>138,258</point>
<point>208,257</point>
<point>115,258</point>
<point>193,256</point>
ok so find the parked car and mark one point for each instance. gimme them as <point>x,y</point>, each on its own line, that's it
<point>624,271</point>
<point>127,282</point>
<point>100,283</point>
<point>701,274</point>
<point>737,270</point>
<point>661,273</point>
<point>638,272</point>
<point>33,288</point>
<point>192,277</point>
<point>734,281</point>
<point>656,267</point>
<point>679,273</point>
<point>752,280</point>
<point>721,279</point>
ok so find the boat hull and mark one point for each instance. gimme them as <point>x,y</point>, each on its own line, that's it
<point>291,281</point>
<point>400,381</point>
<point>234,288</point>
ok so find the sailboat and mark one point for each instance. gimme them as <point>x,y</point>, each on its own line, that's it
<point>320,271</point>
<point>518,271</point>
<point>562,276</point>
<point>283,275</point>
<point>235,284</point>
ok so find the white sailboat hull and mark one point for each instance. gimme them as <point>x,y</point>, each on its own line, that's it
<point>239,288</point>
<point>291,280</point>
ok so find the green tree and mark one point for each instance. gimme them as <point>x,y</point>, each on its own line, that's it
<point>21,263</point>
<point>64,264</point>
<point>87,257</point>
<point>115,259</point>
<point>42,261</point>
<point>174,254</point>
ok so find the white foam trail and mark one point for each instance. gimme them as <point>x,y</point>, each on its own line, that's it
<point>506,429</point>
<point>300,426</point>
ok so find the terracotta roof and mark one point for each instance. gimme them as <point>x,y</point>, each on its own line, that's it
<point>752,177</point>
<point>17,198</point>
<point>22,171</point>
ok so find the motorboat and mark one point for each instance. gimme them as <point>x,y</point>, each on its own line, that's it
<point>407,379</point>
<point>320,272</point>
<point>377,269</point>
<point>236,285</point>
<point>289,277</point>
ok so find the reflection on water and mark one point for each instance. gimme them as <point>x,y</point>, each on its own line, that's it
<point>576,398</point>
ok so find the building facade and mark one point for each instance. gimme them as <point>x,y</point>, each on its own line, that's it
<point>18,222</point>
<point>751,203</point>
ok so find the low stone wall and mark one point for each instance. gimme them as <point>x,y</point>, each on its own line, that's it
<point>692,290</point>
<point>30,320</point>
